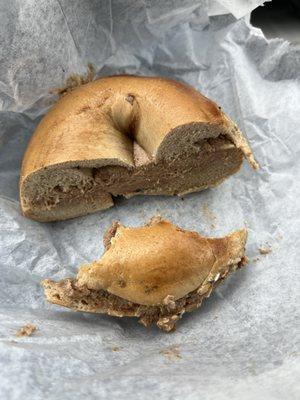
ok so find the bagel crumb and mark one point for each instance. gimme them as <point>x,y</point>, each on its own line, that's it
<point>264,250</point>
<point>75,80</point>
<point>26,330</point>
<point>170,302</point>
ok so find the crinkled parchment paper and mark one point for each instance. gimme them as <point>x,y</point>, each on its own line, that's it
<point>243,343</point>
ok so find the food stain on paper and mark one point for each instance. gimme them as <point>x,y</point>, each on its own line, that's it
<point>209,216</point>
<point>117,348</point>
<point>172,352</point>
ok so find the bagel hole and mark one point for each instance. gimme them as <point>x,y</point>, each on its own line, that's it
<point>140,156</point>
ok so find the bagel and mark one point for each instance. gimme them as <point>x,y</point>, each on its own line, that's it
<point>126,135</point>
<point>155,272</point>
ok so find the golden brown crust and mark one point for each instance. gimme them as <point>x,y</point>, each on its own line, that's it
<point>69,293</point>
<point>88,112</point>
<point>128,122</point>
<point>146,264</point>
<point>155,272</point>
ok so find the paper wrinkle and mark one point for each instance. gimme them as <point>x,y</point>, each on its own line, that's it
<point>242,342</point>
<point>240,8</point>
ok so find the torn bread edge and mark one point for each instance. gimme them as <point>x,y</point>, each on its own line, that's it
<point>72,294</point>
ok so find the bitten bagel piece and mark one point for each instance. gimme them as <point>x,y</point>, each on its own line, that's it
<point>155,272</point>
<point>126,135</point>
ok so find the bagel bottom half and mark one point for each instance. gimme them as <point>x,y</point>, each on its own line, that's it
<point>82,190</point>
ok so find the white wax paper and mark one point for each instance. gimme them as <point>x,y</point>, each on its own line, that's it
<point>238,8</point>
<point>243,343</point>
